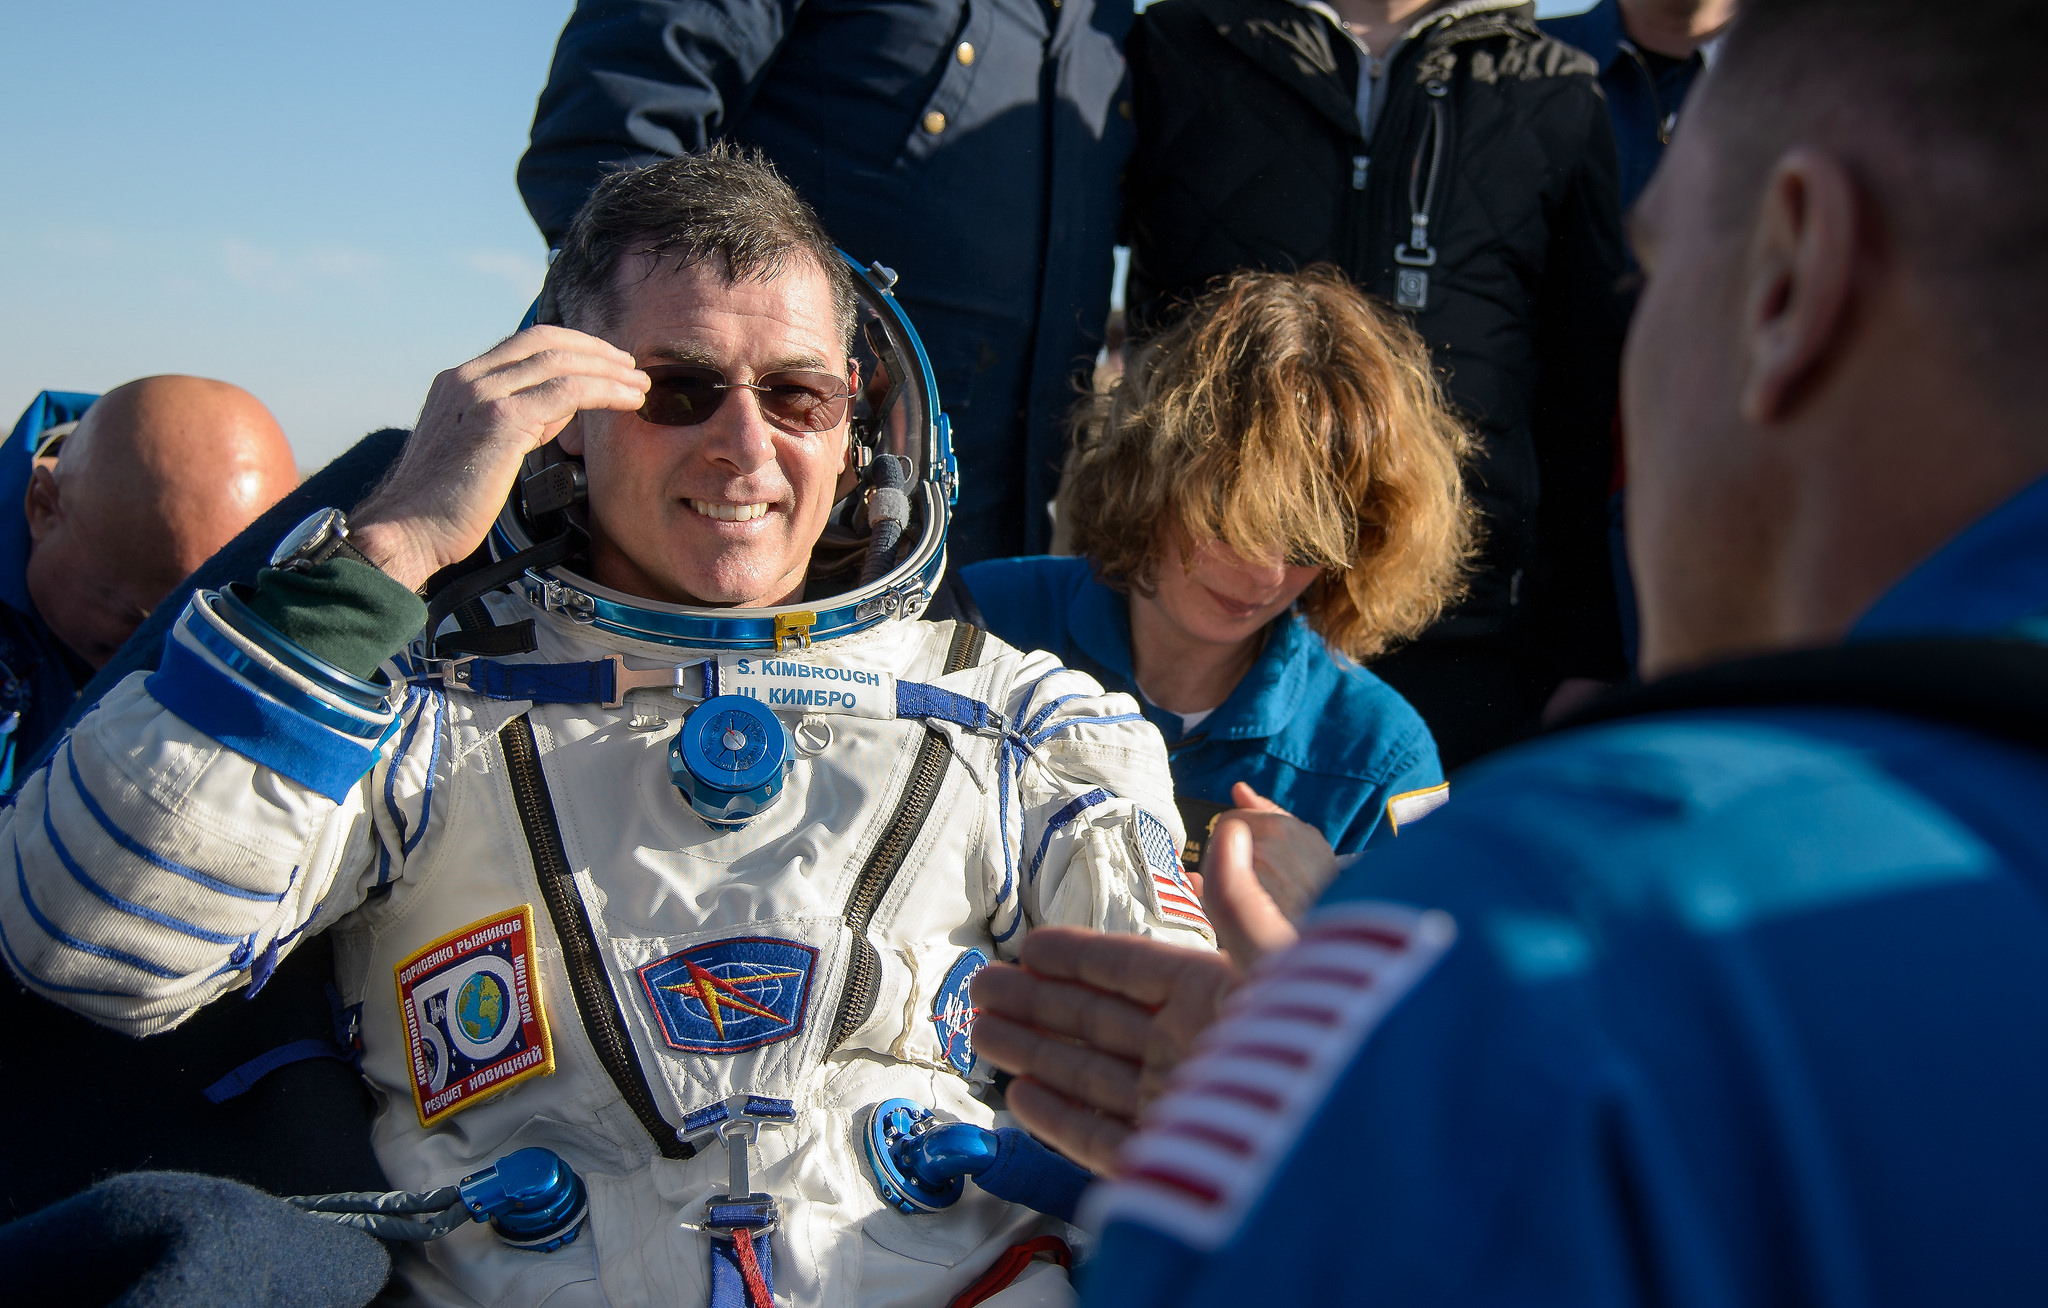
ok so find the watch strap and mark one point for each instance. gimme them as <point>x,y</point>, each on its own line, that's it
<point>341,547</point>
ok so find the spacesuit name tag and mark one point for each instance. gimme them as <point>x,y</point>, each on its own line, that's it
<point>801,686</point>
<point>474,1024</point>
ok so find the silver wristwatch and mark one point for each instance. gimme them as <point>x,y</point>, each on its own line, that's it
<point>322,536</point>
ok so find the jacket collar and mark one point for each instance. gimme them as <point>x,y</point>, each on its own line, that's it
<point>1270,695</point>
<point>1301,44</point>
<point>1099,621</point>
<point>1987,579</point>
<point>1598,31</point>
<point>1470,9</point>
<point>1298,46</point>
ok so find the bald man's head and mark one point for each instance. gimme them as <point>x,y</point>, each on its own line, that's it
<point>160,473</point>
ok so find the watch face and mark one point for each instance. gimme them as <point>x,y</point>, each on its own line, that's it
<point>318,527</point>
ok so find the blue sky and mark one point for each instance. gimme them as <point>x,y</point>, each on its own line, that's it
<point>313,202</point>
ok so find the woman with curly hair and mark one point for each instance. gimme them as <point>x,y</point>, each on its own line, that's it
<point>1270,495</point>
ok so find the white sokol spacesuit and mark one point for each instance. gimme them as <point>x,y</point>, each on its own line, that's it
<point>551,946</point>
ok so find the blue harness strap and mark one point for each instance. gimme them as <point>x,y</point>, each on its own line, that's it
<point>728,1277</point>
<point>542,683</point>
<point>915,699</point>
<point>239,1081</point>
<point>598,683</point>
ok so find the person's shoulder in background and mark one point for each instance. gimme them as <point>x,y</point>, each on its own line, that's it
<point>1350,697</point>
<point>1347,726</point>
<point>1025,601</point>
<point>1596,30</point>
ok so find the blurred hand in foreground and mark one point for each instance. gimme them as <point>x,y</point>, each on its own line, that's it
<point>1091,1025</point>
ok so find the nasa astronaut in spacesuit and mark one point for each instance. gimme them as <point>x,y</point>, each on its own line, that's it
<point>685,823</point>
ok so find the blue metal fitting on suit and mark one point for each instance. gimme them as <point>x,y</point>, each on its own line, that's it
<point>729,760</point>
<point>531,1198</point>
<point>920,1164</point>
<point>895,1128</point>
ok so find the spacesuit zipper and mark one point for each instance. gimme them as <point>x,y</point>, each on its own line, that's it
<point>864,971</point>
<point>596,1002</point>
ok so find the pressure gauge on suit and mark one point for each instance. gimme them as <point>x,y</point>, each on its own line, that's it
<point>730,760</point>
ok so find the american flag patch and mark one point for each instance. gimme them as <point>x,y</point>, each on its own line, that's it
<point>1178,901</point>
<point>1232,1113</point>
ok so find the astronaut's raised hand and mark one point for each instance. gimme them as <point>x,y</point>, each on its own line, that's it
<point>479,421</point>
<point>1262,870</point>
<point>1248,923</point>
<point>1091,1025</point>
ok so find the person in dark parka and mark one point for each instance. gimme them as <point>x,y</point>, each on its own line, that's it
<point>1468,178</point>
<point>973,148</point>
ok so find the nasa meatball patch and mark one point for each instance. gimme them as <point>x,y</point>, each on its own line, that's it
<point>730,995</point>
<point>953,1010</point>
<point>473,1018</point>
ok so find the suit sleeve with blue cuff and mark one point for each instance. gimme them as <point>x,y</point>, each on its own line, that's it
<point>206,816</point>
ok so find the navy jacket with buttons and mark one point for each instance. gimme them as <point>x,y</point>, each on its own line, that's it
<point>1319,735</point>
<point>971,145</point>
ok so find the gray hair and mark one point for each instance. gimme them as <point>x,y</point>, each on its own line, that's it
<point>725,207</point>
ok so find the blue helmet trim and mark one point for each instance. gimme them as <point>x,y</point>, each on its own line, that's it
<point>940,465</point>
<point>731,629</point>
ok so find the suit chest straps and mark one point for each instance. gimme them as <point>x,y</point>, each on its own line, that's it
<point>730,757</point>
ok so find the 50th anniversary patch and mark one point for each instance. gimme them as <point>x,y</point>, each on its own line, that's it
<point>473,1018</point>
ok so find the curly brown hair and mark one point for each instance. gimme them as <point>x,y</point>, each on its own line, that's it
<point>1285,413</point>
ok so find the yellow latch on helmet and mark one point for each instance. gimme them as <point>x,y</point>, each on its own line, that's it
<point>796,624</point>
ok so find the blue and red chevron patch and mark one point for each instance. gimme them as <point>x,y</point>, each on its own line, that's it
<point>731,995</point>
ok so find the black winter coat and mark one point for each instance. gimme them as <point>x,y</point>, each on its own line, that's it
<point>1249,155</point>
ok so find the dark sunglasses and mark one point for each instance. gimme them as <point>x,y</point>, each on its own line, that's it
<point>685,394</point>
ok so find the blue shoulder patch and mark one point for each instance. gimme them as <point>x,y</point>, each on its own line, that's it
<point>731,995</point>
<point>954,1012</point>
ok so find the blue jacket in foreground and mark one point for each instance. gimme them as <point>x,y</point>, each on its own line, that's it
<point>1319,735</point>
<point>1710,1009</point>
<point>1000,222</point>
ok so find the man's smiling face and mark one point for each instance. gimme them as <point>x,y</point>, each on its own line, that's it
<point>725,512</point>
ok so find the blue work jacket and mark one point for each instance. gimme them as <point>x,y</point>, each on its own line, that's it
<point>972,145</point>
<point>1715,1008</point>
<point>1315,733</point>
<point>39,678</point>
<point>1642,104</point>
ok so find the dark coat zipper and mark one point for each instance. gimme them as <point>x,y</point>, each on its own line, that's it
<point>1374,229</point>
<point>596,1002</point>
<point>1367,202</point>
<point>864,970</point>
<point>1665,123</point>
